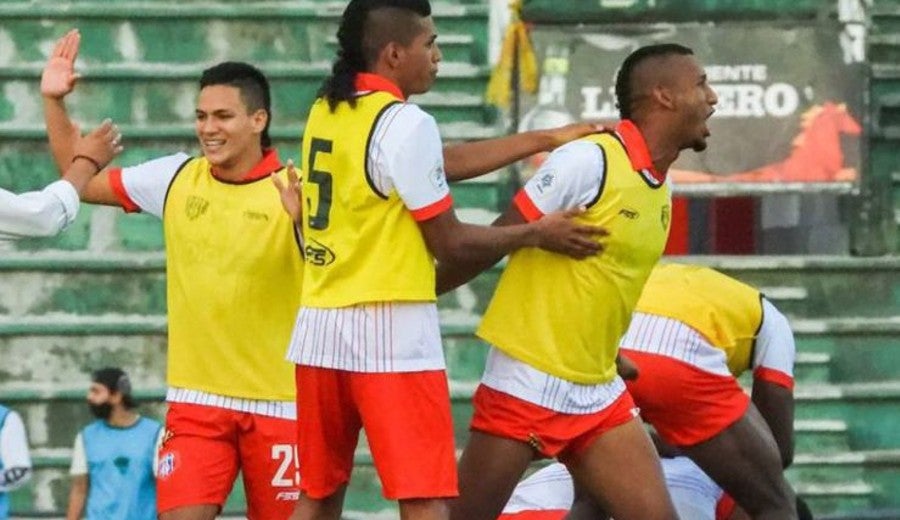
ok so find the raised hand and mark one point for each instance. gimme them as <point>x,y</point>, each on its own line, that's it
<point>59,77</point>
<point>290,192</point>
<point>560,233</point>
<point>100,146</point>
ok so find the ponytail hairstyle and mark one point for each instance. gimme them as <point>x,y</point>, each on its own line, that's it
<point>366,27</point>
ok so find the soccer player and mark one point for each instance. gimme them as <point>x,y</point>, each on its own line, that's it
<point>377,212</point>
<point>693,332</point>
<point>234,278</point>
<point>49,211</point>
<point>112,461</point>
<point>550,388</point>
<point>233,286</point>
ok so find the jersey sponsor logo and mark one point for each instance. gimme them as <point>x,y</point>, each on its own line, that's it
<point>256,215</point>
<point>195,206</point>
<point>629,213</point>
<point>317,254</point>
<point>666,216</point>
<point>166,465</point>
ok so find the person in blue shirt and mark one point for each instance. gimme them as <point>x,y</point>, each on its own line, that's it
<point>15,463</point>
<point>112,461</point>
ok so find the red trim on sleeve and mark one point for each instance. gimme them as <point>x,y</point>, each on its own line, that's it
<point>115,182</point>
<point>774,376</point>
<point>526,207</point>
<point>725,507</point>
<point>432,210</point>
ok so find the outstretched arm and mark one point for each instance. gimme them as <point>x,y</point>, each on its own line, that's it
<point>467,160</point>
<point>57,81</point>
<point>556,233</point>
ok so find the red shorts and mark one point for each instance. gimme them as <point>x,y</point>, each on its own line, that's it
<point>686,405</point>
<point>204,448</point>
<point>408,426</point>
<point>552,434</point>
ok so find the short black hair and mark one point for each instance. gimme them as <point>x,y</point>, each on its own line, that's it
<point>252,84</point>
<point>358,43</point>
<point>624,79</point>
<point>116,380</point>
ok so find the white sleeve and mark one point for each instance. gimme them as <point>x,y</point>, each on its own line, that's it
<point>145,186</point>
<point>14,453</point>
<point>79,457</point>
<point>549,488</point>
<point>572,176</point>
<point>38,213</point>
<point>406,155</point>
<point>775,349</point>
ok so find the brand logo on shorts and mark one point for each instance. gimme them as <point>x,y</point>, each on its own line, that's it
<point>166,465</point>
<point>535,442</point>
<point>291,496</point>
<point>635,411</point>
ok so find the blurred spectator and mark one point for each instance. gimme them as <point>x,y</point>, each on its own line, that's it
<point>112,462</point>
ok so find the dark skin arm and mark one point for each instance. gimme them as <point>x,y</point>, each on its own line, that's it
<point>776,404</point>
<point>555,232</point>
<point>471,159</point>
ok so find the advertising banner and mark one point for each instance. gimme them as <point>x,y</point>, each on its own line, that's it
<point>790,98</point>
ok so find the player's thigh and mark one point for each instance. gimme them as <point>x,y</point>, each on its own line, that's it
<point>198,447</point>
<point>270,467</point>
<point>621,472</point>
<point>744,460</point>
<point>489,469</point>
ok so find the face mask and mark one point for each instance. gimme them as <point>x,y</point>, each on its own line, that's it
<point>101,411</point>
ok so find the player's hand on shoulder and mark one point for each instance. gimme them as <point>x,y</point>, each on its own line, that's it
<point>564,134</point>
<point>101,145</point>
<point>59,77</point>
<point>559,232</point>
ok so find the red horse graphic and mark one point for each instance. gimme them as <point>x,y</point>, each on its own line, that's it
<point>816,154</point>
